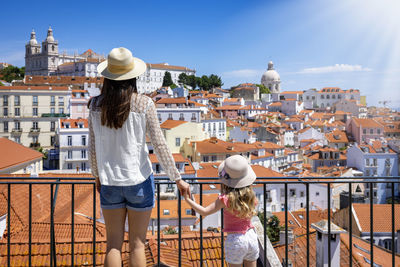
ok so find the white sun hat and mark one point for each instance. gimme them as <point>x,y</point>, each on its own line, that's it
<point>235,172</point>
<point>121,65</point>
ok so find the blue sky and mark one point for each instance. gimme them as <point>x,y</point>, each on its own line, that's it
<point>313,44</point>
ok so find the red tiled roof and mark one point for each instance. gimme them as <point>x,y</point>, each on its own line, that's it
<point>367,123</point>
<point>35,88</point>
<point>14,154</point>
<point>74,123</point>
<point>380,218</point>
<point>337,137</point>
<point>169,124</point>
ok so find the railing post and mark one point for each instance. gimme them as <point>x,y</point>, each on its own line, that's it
<point>350,224</point>
<point>308,221</point>
<point>158,224</point>
<point>265,223</point>
<point>393,227</point>
<point>371,213</point>
<point>9,225</point>
<point>94,224</point>
<point>72,224</point>
<point>201,227</point>
<point>286,226</point>
<point>222,238</point>
<point>329,223</point>
<point>179,228</point>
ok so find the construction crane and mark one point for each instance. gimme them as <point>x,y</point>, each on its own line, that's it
<point>384,102</point>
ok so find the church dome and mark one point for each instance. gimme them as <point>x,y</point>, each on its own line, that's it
<point>33,41</point>
<point>271,75</point>
<point>50,37</point>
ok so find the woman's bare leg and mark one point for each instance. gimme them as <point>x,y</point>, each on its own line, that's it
<point>138,223</point>
<point>115,228</point>
<point>250,263</point>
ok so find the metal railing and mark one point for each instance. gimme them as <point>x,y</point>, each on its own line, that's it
<point>54,183</point>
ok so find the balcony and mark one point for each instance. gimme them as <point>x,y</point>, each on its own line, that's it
<point>52,225</point>
<point>55,115</point>
<point>34,145</point>
<point>34,130</point>
<point>52,104</point>
<point>16,131</point>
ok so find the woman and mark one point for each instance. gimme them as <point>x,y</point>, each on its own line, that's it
<point>119,120</point>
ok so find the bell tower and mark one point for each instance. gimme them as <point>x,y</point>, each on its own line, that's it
<point>32,52</point>
<point>50,51</point>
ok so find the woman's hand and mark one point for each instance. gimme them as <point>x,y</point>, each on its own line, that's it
<point>183,187</point>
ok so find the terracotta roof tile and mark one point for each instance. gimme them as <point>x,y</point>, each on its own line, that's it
<point>74,123</point>
<point>169,124</point>
<point>380,218</point>
<point>35,88</point>
<point>14,154</point>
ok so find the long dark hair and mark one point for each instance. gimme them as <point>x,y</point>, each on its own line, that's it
<point>116,101</point>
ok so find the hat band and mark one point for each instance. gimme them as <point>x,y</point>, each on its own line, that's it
<point>117,69</point>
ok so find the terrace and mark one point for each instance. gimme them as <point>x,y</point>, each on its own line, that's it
<point>49,221</point>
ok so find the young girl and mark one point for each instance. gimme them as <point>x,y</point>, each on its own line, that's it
<point>238,201</point>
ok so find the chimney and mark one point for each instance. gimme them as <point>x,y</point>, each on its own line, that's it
<point>322,240</point>
<point>282,237</point>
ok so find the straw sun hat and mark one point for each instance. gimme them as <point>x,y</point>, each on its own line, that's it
<point>235,172</point>
<point>121,65</point>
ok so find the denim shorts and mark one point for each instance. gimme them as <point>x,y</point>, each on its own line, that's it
<point>138,197</point>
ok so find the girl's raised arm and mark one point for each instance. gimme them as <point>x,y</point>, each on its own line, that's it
<point>204,211</point>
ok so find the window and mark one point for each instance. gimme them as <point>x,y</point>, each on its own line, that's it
<point>292,192</point>
<point>159,117</point>
<point>35,111</point>
<point>83,166</point>
<point>322,97</point>
<point>52,126</point>
<point>188,212</point>
<point>69,166</point>
<point>170,116</point>
<point>375,162</point>
<point>17,139</point>
<point>301,193</point>
<point>181,118</point>
<point>165,212</point>
<point>35,100</point>
<point>213,158</point>
<point>364,131</point>
<point>378,131</point>
<point>61,110</point>
<point>16,100</point>
<point>367,162</point>
<point>5,126</point>
<point>35,125</point>
<point>35,139</point>
<point>5,100</point>
<point>17,112</point>
<point>52,100</point>
<point>5,112</point>
<point>69,156</point>
<point>205,158</point>
<point>193,116</point>
<point>17,125</point>
<point>83,154</point>
<point>316,193</point>
<point>178,141</point>
<point>367,173</point>
<point>52,140</point>
<point>83,140</point>
<point>69,140</point>
<point>371,131</point>
<point>61,101</point>
<point>282,192</point>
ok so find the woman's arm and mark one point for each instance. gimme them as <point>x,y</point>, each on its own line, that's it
<point>92,152</point>
<point>204,211</point>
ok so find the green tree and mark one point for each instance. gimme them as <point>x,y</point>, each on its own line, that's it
<point>1,84</point>
<point>182,79</point>
<point>263,89</point>
<point>167,80</point>
<point>12,73</point>
<point>273,228</point>
<point>191,80</point>
<point>215,81</point>
<point>204,83</point>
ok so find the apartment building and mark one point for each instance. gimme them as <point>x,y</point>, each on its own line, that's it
<point>73,137</point>
<point>29,114</point>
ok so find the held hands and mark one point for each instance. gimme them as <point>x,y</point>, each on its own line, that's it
<point>183,187</point>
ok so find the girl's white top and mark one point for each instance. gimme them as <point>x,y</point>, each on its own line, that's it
<point>120,156</point>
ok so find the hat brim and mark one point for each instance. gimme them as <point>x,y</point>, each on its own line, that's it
<point>138,69</point>
<point>241,182</point>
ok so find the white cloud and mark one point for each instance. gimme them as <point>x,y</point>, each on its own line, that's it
<point>244,73</point>
<point>335,68</point>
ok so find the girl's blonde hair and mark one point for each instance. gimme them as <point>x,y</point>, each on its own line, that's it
<point>241,201</point>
